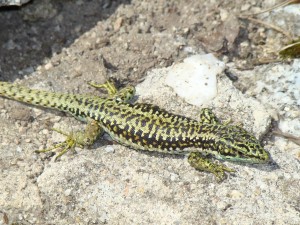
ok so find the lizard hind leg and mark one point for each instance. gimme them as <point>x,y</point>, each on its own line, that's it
<point>79,139</point>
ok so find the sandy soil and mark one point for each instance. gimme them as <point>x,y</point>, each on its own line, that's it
<point>60,45</point>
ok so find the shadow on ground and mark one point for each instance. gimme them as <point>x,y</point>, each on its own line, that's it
<point>34,32</point>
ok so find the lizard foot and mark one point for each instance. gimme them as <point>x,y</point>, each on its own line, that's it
<point>69,144</point>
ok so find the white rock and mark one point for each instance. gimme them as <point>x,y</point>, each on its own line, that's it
<point>195,79</point>
<point>292,9</point>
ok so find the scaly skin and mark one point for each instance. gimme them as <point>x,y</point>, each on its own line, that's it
<point>146,127</point>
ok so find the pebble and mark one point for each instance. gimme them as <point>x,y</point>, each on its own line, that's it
<point>109,149</point>
<point>68,192</point>
<point>48,66</point>
<point>235,194</point>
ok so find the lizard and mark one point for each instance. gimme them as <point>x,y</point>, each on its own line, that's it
<point>144,126</point>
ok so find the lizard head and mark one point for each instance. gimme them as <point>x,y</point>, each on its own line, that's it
<point>236,144</point>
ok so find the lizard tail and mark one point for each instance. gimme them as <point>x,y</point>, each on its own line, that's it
<point>35,97</point>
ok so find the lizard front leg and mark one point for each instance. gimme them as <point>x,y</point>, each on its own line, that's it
<point>200,162</point>
<point>122,95</point>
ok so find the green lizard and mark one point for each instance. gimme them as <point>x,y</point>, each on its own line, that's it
<point>146,127</point>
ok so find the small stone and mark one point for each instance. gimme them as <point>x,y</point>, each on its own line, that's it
<point>28,70</point>
<point>173,176</point>
<point>68,192</point>
<point>48,66</point>
<point>223,14</point>
<point>28,140</point>
<point>118,23</point>
<point>109,149</point>
<point>186,30</point>
<point>235,194</point>
<point>221,205</point>
<point>45,131</point>
<point>79,2</point>
<point>55,119</point>
<point>245,7</point>
<point>11,45</point>
<point>19,149</point>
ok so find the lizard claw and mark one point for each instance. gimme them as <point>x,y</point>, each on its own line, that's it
<point>69,144</point>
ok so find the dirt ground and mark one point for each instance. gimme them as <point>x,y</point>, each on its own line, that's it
<point>126,38</point>
<point>60,45</point>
